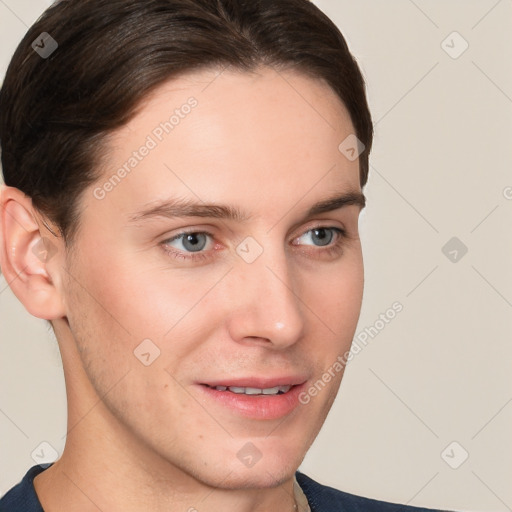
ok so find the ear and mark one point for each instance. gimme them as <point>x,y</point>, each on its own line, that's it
<point>29,256</point>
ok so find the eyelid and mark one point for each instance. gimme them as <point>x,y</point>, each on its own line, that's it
<point>188,232</point>
<point>323,224</point>
<point>320,224</point>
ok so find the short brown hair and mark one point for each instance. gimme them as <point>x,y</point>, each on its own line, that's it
<point>56,112</point>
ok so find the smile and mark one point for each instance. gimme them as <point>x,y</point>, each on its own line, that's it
<point>257,399</point>
<point>276,390</point>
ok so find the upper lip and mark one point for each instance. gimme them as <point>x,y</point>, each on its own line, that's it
<point>257,382</point>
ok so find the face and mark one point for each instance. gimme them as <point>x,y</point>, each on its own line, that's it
<point>218,275</point>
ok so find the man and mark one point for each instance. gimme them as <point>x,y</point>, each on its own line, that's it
<point>183,185</point>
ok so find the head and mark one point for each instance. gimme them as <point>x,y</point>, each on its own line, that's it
<point>182,207</point>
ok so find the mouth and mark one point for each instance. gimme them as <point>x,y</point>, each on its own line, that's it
<point>257,399</point>
<point>276,390</point>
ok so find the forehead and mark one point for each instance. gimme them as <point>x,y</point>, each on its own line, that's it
<point>213,134</point>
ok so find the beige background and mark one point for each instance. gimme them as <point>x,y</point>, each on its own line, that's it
<point>440,371</point>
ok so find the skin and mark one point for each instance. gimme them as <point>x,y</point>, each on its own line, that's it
<point>146,437</point>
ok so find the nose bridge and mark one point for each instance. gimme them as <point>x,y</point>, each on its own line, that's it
<point>267,304</point>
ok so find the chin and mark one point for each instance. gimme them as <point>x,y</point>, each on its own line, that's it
<point>253,478</point>
<point>252,468</point>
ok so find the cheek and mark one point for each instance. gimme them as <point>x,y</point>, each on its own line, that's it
<point>133,300</point>
<point>337,299</point>
<point>130,304</point>
<point>350,294</point>
<point>101,315</point>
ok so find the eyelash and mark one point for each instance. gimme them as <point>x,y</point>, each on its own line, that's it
<point>331,250</point>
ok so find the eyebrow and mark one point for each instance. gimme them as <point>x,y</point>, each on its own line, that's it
<point>179,207</point>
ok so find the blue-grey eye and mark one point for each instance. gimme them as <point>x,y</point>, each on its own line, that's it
<point>319,236</point>
<point>323,235</point>
<point>191,242</point>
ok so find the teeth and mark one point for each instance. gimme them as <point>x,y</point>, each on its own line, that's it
<point>255,391</point>
<point>234,389</point>
<point>252,391</point>
<point>271,391</point>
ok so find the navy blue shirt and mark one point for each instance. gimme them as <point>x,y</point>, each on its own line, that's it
<point>23,498</point>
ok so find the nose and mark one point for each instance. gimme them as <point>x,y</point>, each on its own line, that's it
<point>266,308</point>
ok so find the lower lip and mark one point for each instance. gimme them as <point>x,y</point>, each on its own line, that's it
<point>258,407</point>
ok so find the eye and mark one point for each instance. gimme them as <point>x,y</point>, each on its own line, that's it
<point>321,236</point>
<point>195,245</point>
<point>191,242</point>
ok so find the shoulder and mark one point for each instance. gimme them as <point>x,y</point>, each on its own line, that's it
<point>327,499</point>
<point>22,497</point>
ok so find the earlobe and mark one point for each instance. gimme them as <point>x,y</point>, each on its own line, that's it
<point>28,256</point>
